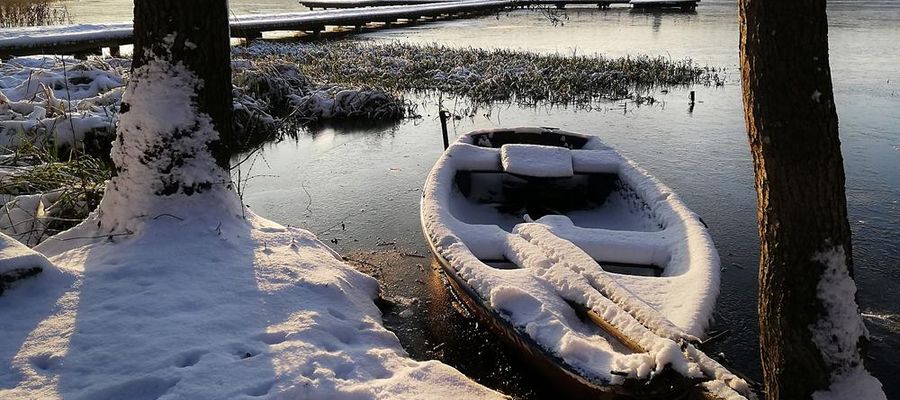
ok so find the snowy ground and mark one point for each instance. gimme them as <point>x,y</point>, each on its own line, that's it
<point>194,309</point>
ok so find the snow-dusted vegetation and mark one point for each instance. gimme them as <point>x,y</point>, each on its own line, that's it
<point>487,75</point>
<point>57,101</point>
<point>58,117</point>
<point>62,102</point>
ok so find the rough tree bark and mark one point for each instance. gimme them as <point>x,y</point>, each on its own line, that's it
<point>802,210</point>
<point>174,135</point>
<point>202,44</point>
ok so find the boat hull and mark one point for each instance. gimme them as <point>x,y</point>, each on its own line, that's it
<point>666,386</point>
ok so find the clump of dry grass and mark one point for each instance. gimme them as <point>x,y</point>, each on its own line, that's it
<point>19,13</point>
<point>489,75</point>
<point>75,182</point>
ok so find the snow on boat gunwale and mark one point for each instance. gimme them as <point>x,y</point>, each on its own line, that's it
<point>592,268</point>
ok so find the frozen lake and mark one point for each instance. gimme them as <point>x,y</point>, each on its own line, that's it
<point>371,178</point>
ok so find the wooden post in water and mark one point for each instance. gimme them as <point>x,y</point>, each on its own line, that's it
<point>691,104</point>
<point>444,116</point>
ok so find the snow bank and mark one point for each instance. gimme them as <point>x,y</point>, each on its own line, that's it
<point>206,307</point>
<point>840,330</point>
<point>17,261</point>
<point>26,218</point>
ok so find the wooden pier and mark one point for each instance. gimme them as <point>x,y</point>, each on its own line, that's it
<point>80,40</point>
<point>345,4</point>
<point>90,39</point>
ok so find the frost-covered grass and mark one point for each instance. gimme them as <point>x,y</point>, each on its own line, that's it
<point>487,75</point>
<point>62,102</point>
<point>16,13</point>
<point>273,97</point>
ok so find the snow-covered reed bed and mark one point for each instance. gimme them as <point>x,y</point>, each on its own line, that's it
<point>60,102</point>
<point>272,97</point>
<point>58,117</point>
<point>487,75</point>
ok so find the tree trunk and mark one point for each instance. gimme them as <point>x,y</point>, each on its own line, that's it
<point>802,210</point>
<point>174,135</point>
<point>202,44</point>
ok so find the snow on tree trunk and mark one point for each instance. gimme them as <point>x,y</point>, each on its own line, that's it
<point>175,120</point>
<point>811,334</point>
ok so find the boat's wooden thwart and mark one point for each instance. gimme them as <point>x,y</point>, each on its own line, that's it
<point>549,235</point>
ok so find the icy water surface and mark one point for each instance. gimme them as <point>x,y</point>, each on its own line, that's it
<point>370,179</point>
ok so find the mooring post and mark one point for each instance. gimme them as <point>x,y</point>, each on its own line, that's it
<point>691,104</point>
<point>444,116</point>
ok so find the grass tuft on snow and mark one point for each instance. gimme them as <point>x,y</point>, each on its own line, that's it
<point>67,189</point>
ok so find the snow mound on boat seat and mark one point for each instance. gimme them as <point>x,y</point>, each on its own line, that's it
<point>536,160</point>
<point>596,161</point>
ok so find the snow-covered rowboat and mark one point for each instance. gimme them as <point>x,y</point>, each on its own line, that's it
<point>590,267</point>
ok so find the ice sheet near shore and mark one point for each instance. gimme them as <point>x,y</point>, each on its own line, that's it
<point>190,296</point>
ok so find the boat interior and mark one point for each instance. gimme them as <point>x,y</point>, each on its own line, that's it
<point>596,201</point>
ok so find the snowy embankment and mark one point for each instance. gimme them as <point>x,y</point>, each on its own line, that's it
<point>188,295</point>
<point>209,307</point>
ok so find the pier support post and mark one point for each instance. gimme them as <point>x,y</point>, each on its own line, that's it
<point>83,54</point>
<point>250,35</point>
<point>115,51</point>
